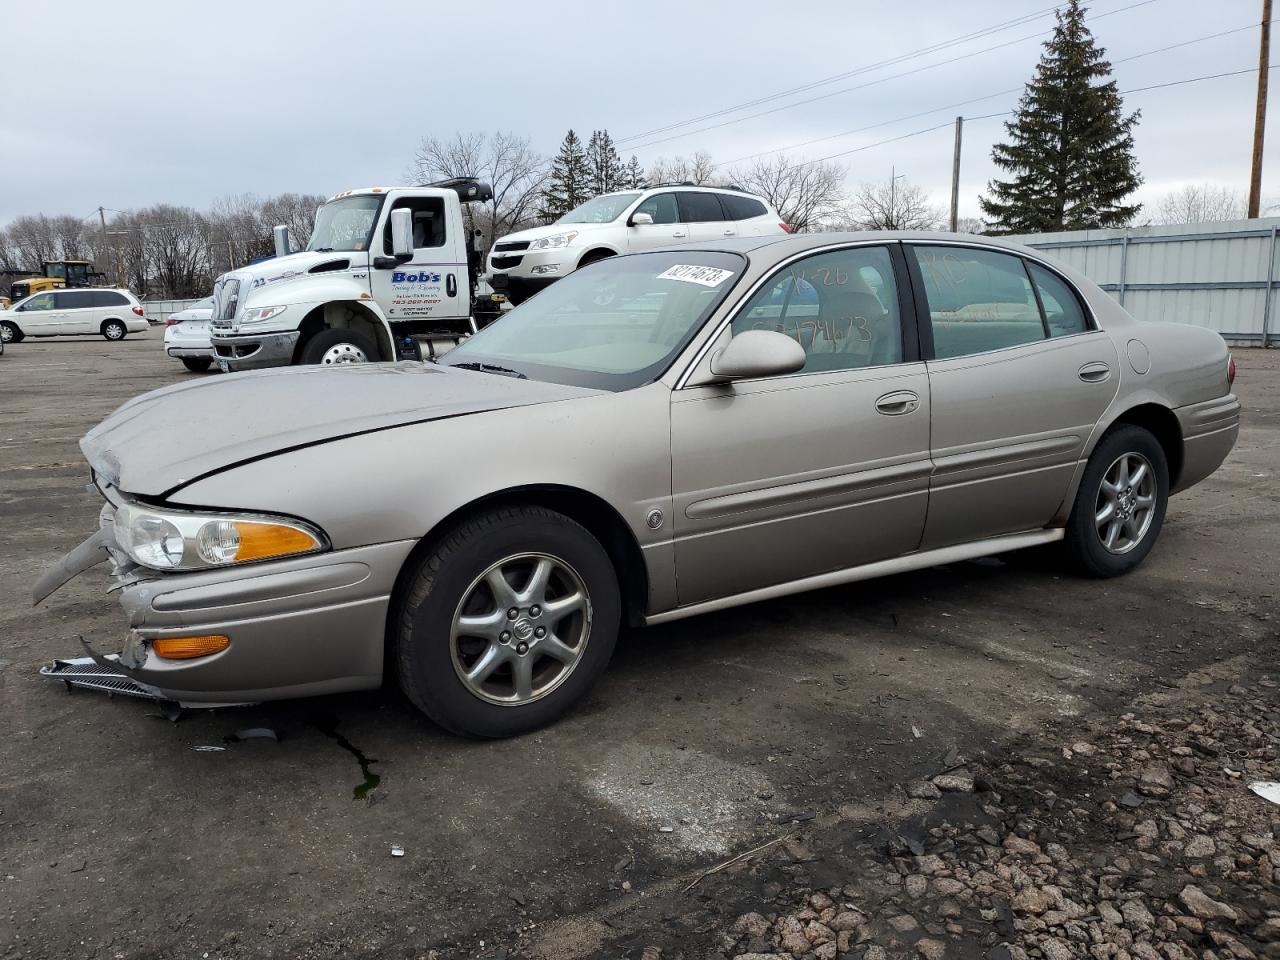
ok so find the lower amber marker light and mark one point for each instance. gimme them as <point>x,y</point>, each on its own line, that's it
<point>189,648</point>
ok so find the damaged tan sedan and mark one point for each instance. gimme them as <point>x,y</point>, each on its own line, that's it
<point>653,437</point>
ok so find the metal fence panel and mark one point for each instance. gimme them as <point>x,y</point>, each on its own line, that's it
<point>158,311</point>
<point>1216,275</point>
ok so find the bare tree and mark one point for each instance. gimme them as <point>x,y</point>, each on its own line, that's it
<point>699,168</point>
<point>34,240</point>
<point>893,205</point>
<point>176,244</point>
<point>505,161</point>
<point>970,225</point>
<point>235,225</point>
<point>805,194</point>
<point>297,211</point>
<point>1200,204</point>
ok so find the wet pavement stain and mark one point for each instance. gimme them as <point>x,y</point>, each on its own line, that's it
<point>329,727</point>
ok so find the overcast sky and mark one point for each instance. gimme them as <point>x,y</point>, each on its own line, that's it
<point>139,102</point>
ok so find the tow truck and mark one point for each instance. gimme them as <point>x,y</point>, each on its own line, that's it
<point>390,273</point>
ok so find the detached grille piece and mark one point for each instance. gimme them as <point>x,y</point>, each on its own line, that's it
<point>85,673</point>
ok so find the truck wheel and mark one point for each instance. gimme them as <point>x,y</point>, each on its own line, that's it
<point>507,622</point>
<point>10,332</point>
<point>197,364</point>
<point>1120,506</point>
<point>113,330</point>
<point>330,347</point>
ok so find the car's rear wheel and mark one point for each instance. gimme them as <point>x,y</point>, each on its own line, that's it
<point>334,347</point>
<point>1120,506</point>
<point>197,364</point>
<point>506,622</point>
<point>113,330</point>
<point>10,332</point>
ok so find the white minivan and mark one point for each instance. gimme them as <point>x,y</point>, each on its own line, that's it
<point>58,313</point>
<point>629,221</point>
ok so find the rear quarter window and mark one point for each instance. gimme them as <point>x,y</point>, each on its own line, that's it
<point>742,208</point>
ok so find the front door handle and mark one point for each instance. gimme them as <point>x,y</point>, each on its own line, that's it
<point>730,232</point>
<point>451,285</point>
<point>1095,372</point>
<point>897,403</point>
<point>681,233</point>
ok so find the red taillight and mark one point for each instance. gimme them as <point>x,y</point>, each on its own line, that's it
<point>171,321</point>
<point>138,311</point>
<point>786,228</point>
<point>1231,370</point>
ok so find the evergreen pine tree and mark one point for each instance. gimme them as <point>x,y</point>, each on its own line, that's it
<point>569,185</point>
<point>605,164</point>
<point>1070,146</point>
<point>633,175</point>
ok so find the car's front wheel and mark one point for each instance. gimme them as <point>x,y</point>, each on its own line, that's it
<point>506,622</point>
<point>1120,506</point>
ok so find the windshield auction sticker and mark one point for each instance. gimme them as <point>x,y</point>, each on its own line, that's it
<point>707,276</point>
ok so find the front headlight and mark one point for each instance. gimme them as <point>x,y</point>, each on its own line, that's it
<point>177,540</point>
<point>258,314</point>
<point>551,243</point>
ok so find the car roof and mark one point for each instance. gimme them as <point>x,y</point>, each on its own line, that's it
<point>783,245</point>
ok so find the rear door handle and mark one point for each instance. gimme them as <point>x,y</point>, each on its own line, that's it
<point>1095,372</point>
<point>730,232</point>
<point>451,285</point>
<point>681,233</point>
<point>897,403</point>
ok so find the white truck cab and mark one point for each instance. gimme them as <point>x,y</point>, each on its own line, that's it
<point>387,271</point>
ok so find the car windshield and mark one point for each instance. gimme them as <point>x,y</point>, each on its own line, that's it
<point>600,210</point>
<point>613,325</point>
<point>345,224</point>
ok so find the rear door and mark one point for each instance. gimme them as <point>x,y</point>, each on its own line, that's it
<point>1019,376</point>
<point>77,311</point>
<point>781,478</point>
<point>39,316</point>
<point>705,217</point>
<point>666,228</point>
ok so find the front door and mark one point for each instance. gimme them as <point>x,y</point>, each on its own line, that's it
<point>434,284</point>
<point>40,316</point>
<point>666,228</point>
<point>1019,378</point>
<point>786,477</point>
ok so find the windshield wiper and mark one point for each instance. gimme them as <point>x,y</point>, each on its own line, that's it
<point>491,368</point>
<point>323,250</point>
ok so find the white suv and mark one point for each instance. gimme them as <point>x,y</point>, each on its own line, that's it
<point>629,221</point>
<point>57,313</point>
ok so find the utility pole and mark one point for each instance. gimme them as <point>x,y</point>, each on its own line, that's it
<point>102,218</point>
<point>955,178</point>
<point>1260,118</point>
<point>893,199</point>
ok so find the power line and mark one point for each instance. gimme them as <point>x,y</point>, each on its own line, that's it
<point>989,96</point>
<point>941,45</point>
<point>860,86</point>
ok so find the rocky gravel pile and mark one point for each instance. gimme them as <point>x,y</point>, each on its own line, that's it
<point>1131,839</point>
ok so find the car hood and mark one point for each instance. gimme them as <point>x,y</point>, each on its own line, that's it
<point>554,229</point>
<point>165,439</point>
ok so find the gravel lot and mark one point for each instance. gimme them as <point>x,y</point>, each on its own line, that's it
<point>814,718</point>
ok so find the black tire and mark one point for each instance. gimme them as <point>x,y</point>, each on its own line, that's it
<point>1084,541</point>
<point>114,330</point>
<point>446,576</point>
<point>349,343</point>
<point>593,257</point>
<point>10,332</point>
<point>197,364</point>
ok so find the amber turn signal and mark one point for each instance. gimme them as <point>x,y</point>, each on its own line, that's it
<point>189,648</point>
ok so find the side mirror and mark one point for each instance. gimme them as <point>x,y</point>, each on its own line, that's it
<point>281,234</point>
<point>402,234</point>
<point>758,353</point>
<point>638,218</point>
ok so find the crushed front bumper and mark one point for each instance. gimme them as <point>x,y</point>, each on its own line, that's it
<point>298,627</point>
<point>254,351</point>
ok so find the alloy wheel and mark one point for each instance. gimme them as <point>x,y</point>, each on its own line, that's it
<point>1126,503</point>
<point>520,629</point>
